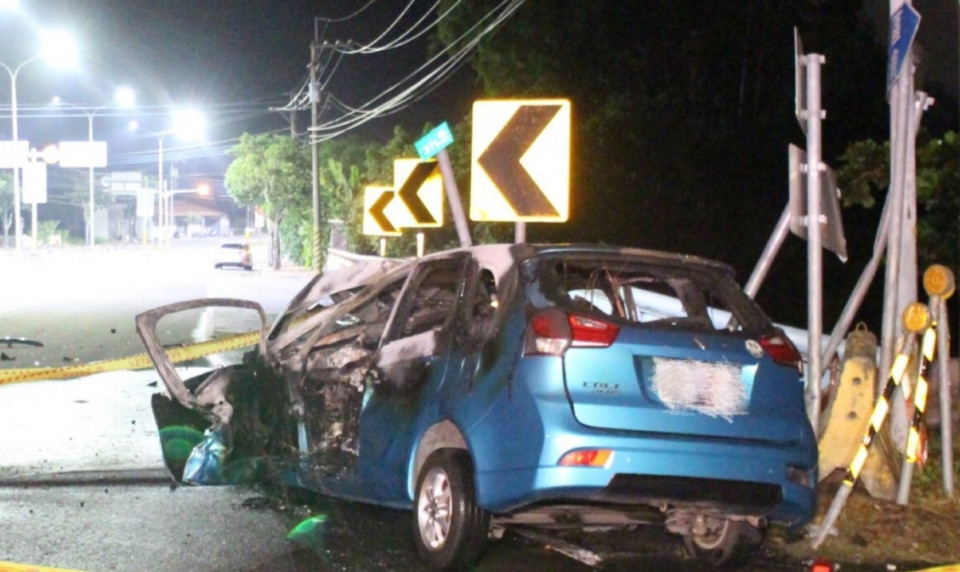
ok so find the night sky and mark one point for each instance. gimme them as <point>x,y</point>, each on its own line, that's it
<point>236,59</point>
<point>232,59</point>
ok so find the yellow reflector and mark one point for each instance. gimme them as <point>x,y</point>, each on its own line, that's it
<point>879,414</point>
<point>929,343</point>
<point>920,398</point>
<point>913,443</point>
<point>586,458</point>
<point>858,460</point>
<point>899,366</point>
<point>916,317</point>
<point>938,281</point>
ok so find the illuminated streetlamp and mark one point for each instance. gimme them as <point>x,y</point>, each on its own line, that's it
<point>58,49</point>
<point>123,97</point>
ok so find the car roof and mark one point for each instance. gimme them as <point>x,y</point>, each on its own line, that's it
<point>500,257</point>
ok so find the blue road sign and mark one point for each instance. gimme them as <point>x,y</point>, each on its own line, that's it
<point>903,29</point>
<point>435,141</point>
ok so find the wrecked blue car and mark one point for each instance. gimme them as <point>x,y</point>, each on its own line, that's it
<point>549,386</point>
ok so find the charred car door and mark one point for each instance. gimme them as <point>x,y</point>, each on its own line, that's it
<point>406,374</point>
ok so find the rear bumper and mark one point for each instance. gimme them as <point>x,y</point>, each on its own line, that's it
<point>736,478</point>
<point>231,264</point>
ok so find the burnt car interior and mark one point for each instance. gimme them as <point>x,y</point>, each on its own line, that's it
<point>683,298</point>
<point>330,375</point>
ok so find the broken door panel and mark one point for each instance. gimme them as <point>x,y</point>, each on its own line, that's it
<point>331,368</point>
<point>408,369</point>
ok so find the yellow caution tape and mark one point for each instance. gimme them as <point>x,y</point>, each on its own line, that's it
<point>13,567</point>
<point>139,361</point>
<point>947,568</point>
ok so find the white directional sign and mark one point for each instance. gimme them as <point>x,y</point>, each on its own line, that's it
<point>145,200</point>
<point>14,154</point>
<point>520,167</point>
<point>123,182</point>
<point>35,183</point>
<point>83,154</point>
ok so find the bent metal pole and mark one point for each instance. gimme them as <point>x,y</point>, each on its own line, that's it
<point>814,240</point>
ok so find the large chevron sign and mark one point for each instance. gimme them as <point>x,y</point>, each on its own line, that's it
<point>520,169</point>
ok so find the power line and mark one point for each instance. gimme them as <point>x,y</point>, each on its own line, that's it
<point>417,84</point>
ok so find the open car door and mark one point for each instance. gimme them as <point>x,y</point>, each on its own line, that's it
<point>208,398</point>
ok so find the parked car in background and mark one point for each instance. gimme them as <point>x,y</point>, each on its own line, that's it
<point>234,255</point>
<point>503,385</point>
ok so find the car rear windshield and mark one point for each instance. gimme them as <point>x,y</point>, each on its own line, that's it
<point>640,291</point>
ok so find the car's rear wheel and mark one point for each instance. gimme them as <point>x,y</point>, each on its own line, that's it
<point>450,530</point>
<point>724,542</point>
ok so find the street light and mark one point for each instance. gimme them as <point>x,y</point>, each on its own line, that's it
<point>58,47</point>
<point>123,97</point>
<point>188,124</point>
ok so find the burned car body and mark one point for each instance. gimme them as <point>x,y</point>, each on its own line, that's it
<point>519,384</point>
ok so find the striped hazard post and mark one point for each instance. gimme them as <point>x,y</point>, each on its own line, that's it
<point>915,319</point>
<point>922,315</point>
<point>928,346</point>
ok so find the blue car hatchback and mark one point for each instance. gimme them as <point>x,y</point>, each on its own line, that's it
<point>551,386</point>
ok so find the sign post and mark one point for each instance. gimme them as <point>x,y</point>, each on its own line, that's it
<point>900,278</point>
<point>434,144</point>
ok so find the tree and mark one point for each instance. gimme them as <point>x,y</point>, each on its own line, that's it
<point>341,187</point>
<point>271,172</point>
<point>865,171</point>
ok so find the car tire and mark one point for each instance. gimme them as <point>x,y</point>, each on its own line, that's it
<point>449,529</point>
<point>727,542</point>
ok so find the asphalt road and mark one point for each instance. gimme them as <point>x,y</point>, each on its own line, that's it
<point>80,303</point>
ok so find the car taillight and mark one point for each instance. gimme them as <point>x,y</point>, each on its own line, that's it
<point>822,566</point>
<point>590,332</point>
<point>781,350</point>
<point>587,458</point>
<point>552,331</point>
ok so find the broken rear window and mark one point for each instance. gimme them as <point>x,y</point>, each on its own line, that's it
<point>637,291</point>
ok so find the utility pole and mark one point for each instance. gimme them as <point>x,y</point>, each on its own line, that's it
<point>314,150</point>
<point>293,119</point>
<point>900,284</point>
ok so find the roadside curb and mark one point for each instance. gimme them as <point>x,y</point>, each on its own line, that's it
<point>79,478</point>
